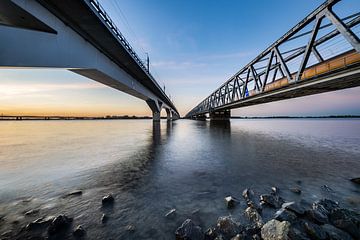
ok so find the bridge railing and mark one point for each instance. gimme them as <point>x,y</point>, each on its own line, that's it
<point>287,59</point>
<point>111,25</point>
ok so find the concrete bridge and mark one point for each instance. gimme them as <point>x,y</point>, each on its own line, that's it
<point>320,54</point>
<point>78,36</point>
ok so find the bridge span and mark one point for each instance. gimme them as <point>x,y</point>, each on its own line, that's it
<point>320,54</point>
<point>78,36</point>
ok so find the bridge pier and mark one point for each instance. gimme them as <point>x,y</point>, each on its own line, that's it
<point>223,115</point>
<point>200,117</point>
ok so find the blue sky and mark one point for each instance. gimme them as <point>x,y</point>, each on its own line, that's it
<point>194,46</point>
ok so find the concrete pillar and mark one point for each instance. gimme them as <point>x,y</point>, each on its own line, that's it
<point>223,115</point>
<point>155,108</point>
<point>156,116</point>
<point>168,114</point>
<point>174,115</point>
<point>200,117</point>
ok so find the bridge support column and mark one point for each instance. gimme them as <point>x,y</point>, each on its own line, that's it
<point>223,115</point>
<point>168,114</point>
<point>200,117</point>
<point>155,108</point>
<point>174,116</point>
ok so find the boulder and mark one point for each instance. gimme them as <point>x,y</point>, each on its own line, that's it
<point>58,224</point>
<point>275,190</point>
<point>188,231</point>
<point>107,200</point>
<point>285,215</point>
<point>231,201</point>
<point>271,200</point>
<point>334,233</point>
<point>294,207</point>
<point>253,215</point>
<point>316,216</point>
<point>314,231</point>
<point>248,194</point>
<point>275,229</point>
<point>325,206</point>
<point>79,232</point>
<point>38,224</point>
<point>227,226</point>
<point>130,228</point>
<point>296,190</point>
<point>355,180</point>
<point>210,234</point>
<point>346,220</point>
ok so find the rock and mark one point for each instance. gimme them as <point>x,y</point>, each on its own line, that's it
<point>275,229</point>
<point>334,233</point>
<point>326,188</point>
<point>188,231</point>
<point>355,180</point>
<point>104,218</point>
<point>170,213</point>
<point>231,201</point>
<point>130,228</point>
<point>107,200</point>
<point>295,190</point>
<point>79,232</point>
<point>227,226</point>
<point>253,215</point>
<point>210,234</point>
<point>237,237</point>
<point>296,234</point>
<point>74,193</point>
<point>275,190</point>
<point>346,220</point>
<point>38,224</point>
<point>294,207</point>
<point>248,194</point>
<point>314,231</point>
<point>59,223</point>
<point>325,206</point>
<point>271,200</point>
<point>285,215</point>
<point>316,216</point>
<point>31,212</point>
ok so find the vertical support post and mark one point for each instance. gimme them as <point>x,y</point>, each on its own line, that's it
<point>168,114</point>
<point>155,108</point>
<point>220,115</point>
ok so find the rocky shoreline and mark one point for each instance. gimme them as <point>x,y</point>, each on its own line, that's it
<point>323,219</point>
<point>320,220</point>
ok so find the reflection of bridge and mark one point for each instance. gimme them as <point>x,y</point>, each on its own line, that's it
<point>78,36</point>
<point>319,54</point>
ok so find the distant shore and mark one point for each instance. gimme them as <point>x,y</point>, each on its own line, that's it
<point>126,117</point>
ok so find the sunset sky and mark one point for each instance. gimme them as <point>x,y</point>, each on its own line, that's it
<point>194,46</point>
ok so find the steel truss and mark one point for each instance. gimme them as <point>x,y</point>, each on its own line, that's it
<point>255,79</point>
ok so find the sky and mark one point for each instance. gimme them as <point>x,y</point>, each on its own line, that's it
<point>194,46</point>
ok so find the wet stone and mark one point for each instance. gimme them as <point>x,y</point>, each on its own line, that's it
<point>59,223</point>
<point>325,206</point>
<point>314,231</point>
<point>275,229</point>
<point>32,212</point>
<point>253,215</point>
<point>248,194</point>
<point>316,216</point>
<point>130,228</point>
<point>107,200</point>
<point>104,218</point>
<point>294,207</point>
<point>171,213</point>
<point>231,201</point>
<point>296,190</point>
<point>355,180</point>
<point>285,215</point>
<point>347,220</point>
<point>271,200</point>
<point>79,232</point>
<point>334,233</point>
<point>227,226</point>
<point>188,231</point>
<point>275,190</point>
<point>210,234</point>
<point>74,193</point>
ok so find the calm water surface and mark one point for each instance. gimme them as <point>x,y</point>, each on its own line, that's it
<point>150,169</point>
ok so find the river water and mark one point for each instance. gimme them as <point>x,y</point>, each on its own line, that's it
<point>152,168</point>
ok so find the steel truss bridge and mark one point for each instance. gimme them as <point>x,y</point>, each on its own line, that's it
<point>320,54</point>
